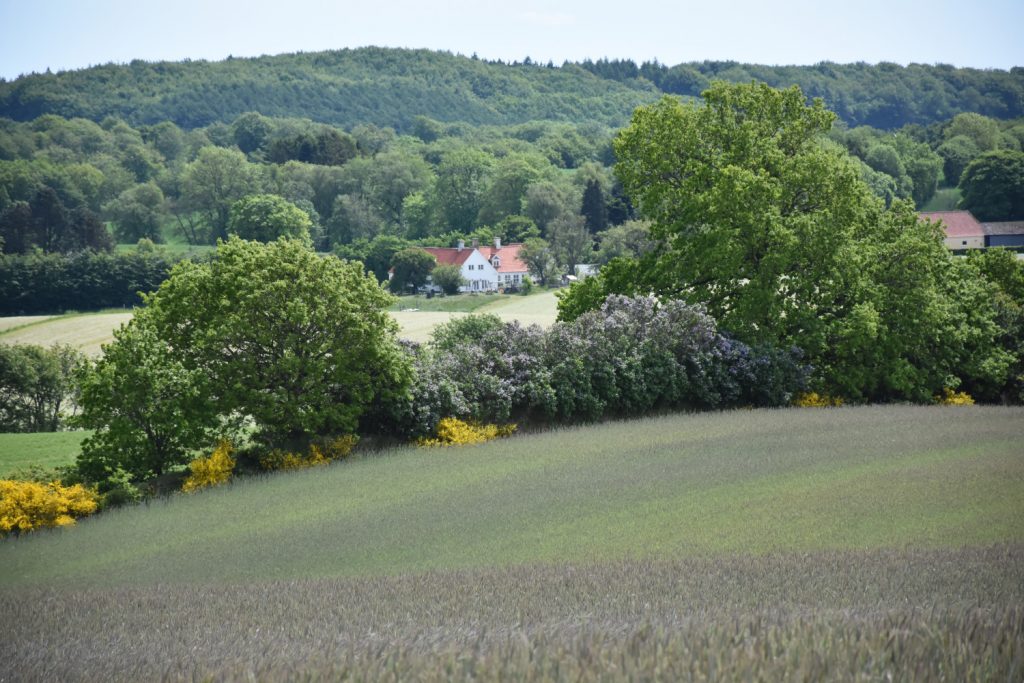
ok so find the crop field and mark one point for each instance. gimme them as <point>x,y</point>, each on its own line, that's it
<point>46,449</point>
<point>87,332</point>
<point>867,543</point>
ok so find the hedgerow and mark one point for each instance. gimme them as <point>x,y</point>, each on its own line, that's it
<point>633,356</point>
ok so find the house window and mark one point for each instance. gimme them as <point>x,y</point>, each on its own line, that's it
<point>964,242</point>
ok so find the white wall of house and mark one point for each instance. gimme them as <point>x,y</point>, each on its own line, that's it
<point>479,274</point>
<point>970,242</point>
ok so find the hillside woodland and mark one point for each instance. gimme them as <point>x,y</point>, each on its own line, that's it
<point>755,250</point>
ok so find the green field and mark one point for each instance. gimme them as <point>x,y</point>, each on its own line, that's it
<point>866,543</point>
<point>88,331</point>
<point>679,486</point>
<point>47,449</point>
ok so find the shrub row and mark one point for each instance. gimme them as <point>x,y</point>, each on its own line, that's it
<point>633,356</point>
<point>83,281</point>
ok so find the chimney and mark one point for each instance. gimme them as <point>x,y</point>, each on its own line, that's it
<point>462,245</point>
<point>497,243</point>
<point>476,243</point>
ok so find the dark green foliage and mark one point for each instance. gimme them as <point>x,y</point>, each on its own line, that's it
<point>379,86</point>
<point>993,186</point>
<point>411,267</point>
<point>46,223</point>
<point>594,210</point>
<point>84,281</point>
<point>36,385</point>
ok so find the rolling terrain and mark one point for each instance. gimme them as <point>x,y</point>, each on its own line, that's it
<point>840,544</point>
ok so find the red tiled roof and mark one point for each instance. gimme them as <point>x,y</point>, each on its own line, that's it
<point>958,223</point>
<point>509,255</point>
<point>449,256</point>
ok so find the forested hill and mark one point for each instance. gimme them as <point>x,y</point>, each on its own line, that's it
<point>390,87</point>
<point>382,86</point>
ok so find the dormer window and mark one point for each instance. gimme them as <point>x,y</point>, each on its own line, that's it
<point>495,261</point>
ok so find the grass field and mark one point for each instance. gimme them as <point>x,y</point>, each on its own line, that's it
<point>47,449</point>
<point>842,544</point>
<point>89,331</point>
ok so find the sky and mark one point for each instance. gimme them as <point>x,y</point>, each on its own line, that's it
<point>73,34</point>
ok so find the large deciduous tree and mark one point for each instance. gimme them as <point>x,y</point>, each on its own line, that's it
<point>266,217</point>
<point>212,183</point>
<point>412,267</point>
<point>300,343</point>
<point>774,232</point>
<point>269,333</point>
<point>993,186</point>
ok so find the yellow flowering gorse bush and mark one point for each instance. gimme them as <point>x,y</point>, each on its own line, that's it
<point>452,431</point>
<point>954,398</point>
<point>213,470</point>
<point>29,505</point>
<point>318,454</point>
<point>813,399</point>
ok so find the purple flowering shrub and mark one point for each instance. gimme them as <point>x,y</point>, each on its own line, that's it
<point>633,356</point>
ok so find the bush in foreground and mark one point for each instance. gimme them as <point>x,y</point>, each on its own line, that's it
<point>29,505</point>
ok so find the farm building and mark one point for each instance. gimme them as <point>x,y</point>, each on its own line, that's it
<point>963,231</point>
<point>1004,234</point>
<point>478,272</point>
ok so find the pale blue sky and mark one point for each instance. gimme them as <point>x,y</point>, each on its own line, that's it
<point>70,34</point>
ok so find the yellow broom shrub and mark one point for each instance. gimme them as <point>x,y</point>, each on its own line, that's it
<point>452,431</point>
<point>813,399</point>
<point>318,454</point>
<point>213,470</point>
<point>954,398</point>
<point>29,505</point>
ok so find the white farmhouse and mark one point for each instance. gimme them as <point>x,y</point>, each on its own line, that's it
<point>478,272</point>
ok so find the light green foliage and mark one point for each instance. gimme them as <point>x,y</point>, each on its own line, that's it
<point>299,343</point>
<point>211,184</point>
<point>775,233</point>
<point>757,215</point>
<point>266,217</point>
<point>148,410</point>
<point>448,278</point>
<point>979,129</point>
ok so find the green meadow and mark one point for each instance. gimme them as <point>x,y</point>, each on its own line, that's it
<point>668,487</point>
<point>45,449</point>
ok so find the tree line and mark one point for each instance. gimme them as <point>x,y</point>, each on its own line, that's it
<point>389,87</point>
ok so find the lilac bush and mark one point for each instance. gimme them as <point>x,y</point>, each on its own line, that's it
<point>633,356</point>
